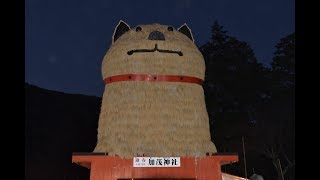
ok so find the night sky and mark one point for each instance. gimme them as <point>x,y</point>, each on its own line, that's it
<point>67,39</point>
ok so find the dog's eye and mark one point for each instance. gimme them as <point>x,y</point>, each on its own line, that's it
<point>170,28</point>
<point>138,28</point>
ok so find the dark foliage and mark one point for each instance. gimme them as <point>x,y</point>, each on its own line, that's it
<point>246,99</point>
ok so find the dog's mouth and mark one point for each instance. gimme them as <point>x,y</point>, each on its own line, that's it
<point>153,50</point>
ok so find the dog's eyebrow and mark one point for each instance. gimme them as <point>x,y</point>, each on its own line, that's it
<point>153,50</point>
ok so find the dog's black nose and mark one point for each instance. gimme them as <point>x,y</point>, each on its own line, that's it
<point>156,35</point>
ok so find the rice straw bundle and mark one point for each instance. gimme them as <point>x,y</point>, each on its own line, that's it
<point>153,118</point>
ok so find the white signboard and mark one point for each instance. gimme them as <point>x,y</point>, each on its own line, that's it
<point>156,162</point>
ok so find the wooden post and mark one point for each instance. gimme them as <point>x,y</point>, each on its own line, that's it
<point>244,157</point>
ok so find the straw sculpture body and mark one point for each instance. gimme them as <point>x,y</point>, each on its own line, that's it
<point>143,115</point>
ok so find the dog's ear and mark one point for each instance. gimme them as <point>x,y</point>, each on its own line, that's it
<point>120,29</point>
<point>184,29</point>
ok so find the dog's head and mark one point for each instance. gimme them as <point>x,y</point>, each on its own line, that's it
<point>153,49</point>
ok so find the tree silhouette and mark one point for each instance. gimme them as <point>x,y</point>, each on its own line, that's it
<point>283,63</point>
<point>279,143</point>
<point>234,78</point>
<point>284,56</point>
<point>238,88</point>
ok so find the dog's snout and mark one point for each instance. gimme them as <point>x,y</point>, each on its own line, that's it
<point>156,35</point>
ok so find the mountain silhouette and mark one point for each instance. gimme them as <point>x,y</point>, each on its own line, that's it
<point>56,125</point>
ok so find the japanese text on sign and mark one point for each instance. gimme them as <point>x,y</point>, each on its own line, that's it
<point>156,162</point>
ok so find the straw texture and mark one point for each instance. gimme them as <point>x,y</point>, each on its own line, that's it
<point>153,118</point>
